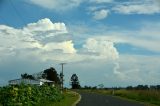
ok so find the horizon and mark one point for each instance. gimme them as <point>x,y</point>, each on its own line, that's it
<point>109,42</point>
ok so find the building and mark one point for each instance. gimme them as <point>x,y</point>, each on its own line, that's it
<point>38,82</point>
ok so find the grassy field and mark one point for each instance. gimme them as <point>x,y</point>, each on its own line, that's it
<point>148,97</point>
<point>69,98</point>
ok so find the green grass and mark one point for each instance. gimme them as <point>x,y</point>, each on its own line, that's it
<point>148,97</point>
<point>69,98</point>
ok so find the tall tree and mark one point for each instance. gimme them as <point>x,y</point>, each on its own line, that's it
<point>51,74</point>
<point>75,82</point>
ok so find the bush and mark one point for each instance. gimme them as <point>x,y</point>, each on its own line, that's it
<point>28,95</point>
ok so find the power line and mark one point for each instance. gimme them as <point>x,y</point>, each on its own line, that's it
<point>16,11</point>
<point>4,20</point>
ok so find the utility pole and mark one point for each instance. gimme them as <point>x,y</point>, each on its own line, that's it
<point>62,75</point>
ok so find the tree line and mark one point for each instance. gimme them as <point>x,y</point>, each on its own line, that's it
<point>138,87</point>
<point>144,87</point>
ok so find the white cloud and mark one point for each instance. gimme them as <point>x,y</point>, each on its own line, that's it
<point>46,25</point>
<point>57,4</point>
<point>32,42</point>
<point>127,69</point>
<point>130,70</point>
<point>141,42</point>
<point>68,47</point>
<point>138,69</point>
<point>29,41</point>
<point>45,29</point>
<point>157,1</point>
<point>101,14</point>
<point>102,48</point>
<point>95,8</point>
<point>138,7</point>
<point>102,1</point>
<point>146,37</point>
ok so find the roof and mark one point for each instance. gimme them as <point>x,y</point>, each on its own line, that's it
<point>26,81</point>
<point>44,80</point>
<point>37,80</point>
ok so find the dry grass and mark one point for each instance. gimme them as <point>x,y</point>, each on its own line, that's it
<point>150,96</point>
<point>146,96</point>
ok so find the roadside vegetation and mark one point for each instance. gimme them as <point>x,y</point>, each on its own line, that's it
<point>145,94</point>
<point>29,95</point>
<point>68,100</point>
<point>25,94</point>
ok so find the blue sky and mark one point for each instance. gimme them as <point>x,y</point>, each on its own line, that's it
<point>115,40</point>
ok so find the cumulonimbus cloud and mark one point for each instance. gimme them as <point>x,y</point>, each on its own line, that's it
<point>30,41</point>
<point>102,48</point>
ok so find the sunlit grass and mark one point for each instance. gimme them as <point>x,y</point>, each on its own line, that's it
<point>69,98</point>
<point>150,96</point>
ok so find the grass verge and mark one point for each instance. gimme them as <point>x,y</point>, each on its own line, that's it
<point>69,99</point>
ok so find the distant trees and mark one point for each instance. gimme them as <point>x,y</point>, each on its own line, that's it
<point>27,76</point>
<point>138,87</point>
<point>75,82</point>
<point>89,87</point>
<point>144,87</point>
<point>129,88</point>
<point>155,87</point>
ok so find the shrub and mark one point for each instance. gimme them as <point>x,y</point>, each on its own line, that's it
<point>28,95</point>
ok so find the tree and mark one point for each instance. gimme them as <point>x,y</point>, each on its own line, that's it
<point>75,82</point>
<point>141,87</point>
<point>51,74</point>
<point>129,88</point>
<point>26,76</point>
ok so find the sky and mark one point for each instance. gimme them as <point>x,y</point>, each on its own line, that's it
<point>111,42</point>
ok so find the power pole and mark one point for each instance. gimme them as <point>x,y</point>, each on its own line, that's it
<point>62,75</point>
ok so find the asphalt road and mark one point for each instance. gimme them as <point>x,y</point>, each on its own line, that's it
<point>92,99</point>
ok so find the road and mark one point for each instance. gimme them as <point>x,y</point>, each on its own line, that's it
<point>92,99</point>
